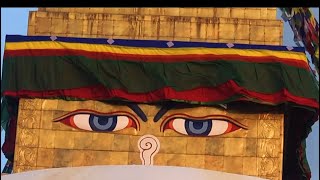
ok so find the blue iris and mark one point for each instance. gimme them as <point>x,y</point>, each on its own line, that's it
<point>102,123</point>
<point>198,128</point>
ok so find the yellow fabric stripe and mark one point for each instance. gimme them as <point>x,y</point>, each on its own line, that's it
<point>153,51</point>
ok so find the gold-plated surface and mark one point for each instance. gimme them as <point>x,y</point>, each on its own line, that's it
<point>255,152</point>
<point>228,25</point>
<point>241,13</point>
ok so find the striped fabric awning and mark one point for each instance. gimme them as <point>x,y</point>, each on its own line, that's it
<point>153,71</point>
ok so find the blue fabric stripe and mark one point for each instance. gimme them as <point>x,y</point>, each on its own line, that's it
<point>147,43</point>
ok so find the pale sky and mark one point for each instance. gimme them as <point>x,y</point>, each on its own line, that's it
<point>15,21</point>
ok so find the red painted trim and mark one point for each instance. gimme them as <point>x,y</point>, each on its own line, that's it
<point>153,58</point>
<point>201,94</point>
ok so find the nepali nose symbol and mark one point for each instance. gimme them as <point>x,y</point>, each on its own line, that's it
<point>149,146</point>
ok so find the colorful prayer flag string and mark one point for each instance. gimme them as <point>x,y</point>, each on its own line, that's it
<point>306,29</point>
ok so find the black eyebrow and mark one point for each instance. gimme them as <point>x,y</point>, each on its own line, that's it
<point>165,108</point>
<point>169,105</point>
<point>138,111</point>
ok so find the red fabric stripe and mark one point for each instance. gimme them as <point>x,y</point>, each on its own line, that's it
<point>152,58</point>
<point>201,94</point>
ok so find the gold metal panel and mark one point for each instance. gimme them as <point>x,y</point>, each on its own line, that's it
<point>233,164</point>
<point>41,14</point>
<point>160,159</point>
<point>169,11</point>
<point>118,158</point>
<point>188,12</point>
<point>257,33</point>
<point>31,29</point>
<point>29,118</point>
<point>68,105</point>
<point>269,166</point>
<point>162,27</point>
<point>168,28</point>
<point>212,31</point>
<point>46,117</point>
<point>45,157</point>
<point>83,158</point>
<point>151,27</point>
<point>122,28</point>
<point>251,13</point>
<point>101,157</point>
<point>196,161</point>
<point>204,12</point>
<point>176,160</point>
<point>231,143</point>
<point>237,12</point>
<point>86,104</point>
<point>215,146</point>
<point>214,163</point>
<point>251,147</point>
<point>182,28</point>
<point>269,128</point>
<point>83,140</point>
<point>253,125</point>
<point>102,141</point>
<point>60,25</point>
<point>198,30</point>
<point>64,140</point>
<point>227,31</point>
<point>250,166</point>
<point>178,147</point>
<point>133,141</point>
<point>49,104</point>
<point>268,148</point>
<point>46,138</point>
<point>272,13</point>
<point>265,13</point>
<point>222,12</point>
<point>27,137</point>
<point>25,156</point>
<point>63,158</point>
<point>276,34</point>
<point>43,25</point>
<point>196,145</point>
<point>120,142</point>
<point>242,31</point>
<point>134,158</point>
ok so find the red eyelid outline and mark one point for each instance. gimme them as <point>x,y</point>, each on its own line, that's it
<point>220,117</point>
<point>86,111</point>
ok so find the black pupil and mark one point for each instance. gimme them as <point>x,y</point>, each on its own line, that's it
<point>198,128</point>
<point>102,123</point>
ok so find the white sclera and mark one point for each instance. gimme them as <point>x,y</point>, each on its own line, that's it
<point>218,127</point>
<point>122,122</point>
<point>82,121</point>
<point>178,125</point>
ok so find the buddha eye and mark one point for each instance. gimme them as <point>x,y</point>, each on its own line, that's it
<point>213,126</point>
<point>99,122</point>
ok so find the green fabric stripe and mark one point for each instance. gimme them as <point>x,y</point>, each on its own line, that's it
<point>47,73</point>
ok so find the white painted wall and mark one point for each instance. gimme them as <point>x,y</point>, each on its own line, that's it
<point>127,172</point>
